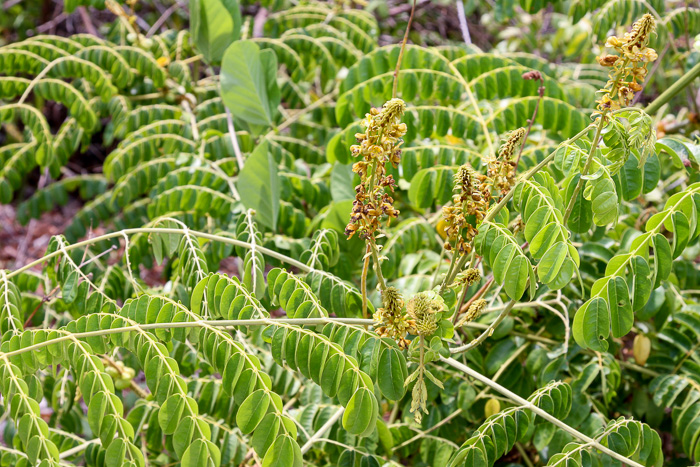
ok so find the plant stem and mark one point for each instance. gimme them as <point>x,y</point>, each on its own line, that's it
<point>540,92</point>
<point>377,266</point>
<point>323,430</point>
<point>525,403</point>
<point>363,282</point>
<point>234,140</point>
<point>477,295</point>
<point>120,233</point>
<point>530,173</point>
<point>188,324</point>
<point>675,88</point>
<point>487,332</point>
<point>403,47</point>
<point>496,209</point>
<point>579,185</point>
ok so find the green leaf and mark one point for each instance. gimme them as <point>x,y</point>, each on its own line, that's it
<point>284,452</point>
<point>214,26</point>
<point>252,410</point>
<point>622,317</point>
<point>361,412</point>
<point>592,325</point>
<point>201,453</point>
<point>249,84</point>
<point>392,374</point>
<point>258,186</point>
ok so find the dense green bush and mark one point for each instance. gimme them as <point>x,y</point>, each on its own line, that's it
<point>435,255</point>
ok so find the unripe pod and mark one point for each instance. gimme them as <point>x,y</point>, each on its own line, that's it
<point>492,407</point>
<point>641,349</point>
<point>122,383</point>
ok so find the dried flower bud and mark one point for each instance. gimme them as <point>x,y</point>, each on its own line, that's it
<point>534,74</point>
<point>608,60</point>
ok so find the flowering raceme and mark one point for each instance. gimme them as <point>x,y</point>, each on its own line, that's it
<point>378,145</point>
<point>629,67</point>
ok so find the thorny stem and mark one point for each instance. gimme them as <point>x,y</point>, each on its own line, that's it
<point>540,412</point>
<point>403,47</point>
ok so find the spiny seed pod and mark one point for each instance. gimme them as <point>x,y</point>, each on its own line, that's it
<point>641,349</point>
<point>392,300</point>
<point>475,310</point>
<point>492,407</point>
<point>472,276</point>
<point>423,308</point>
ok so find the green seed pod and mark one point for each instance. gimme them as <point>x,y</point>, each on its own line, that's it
<point>641,349</point>
<point>492,407</point>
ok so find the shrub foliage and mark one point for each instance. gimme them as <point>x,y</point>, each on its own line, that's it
<point>370,255</point>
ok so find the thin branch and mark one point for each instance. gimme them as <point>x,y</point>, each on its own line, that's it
<point>234,139</point>
<point>489,330</point>
<point>323,430</point>
<point>87,21</point>
<point>403,47</point>
<point>529,405</point>
<point>188,324</point>
<point>463,23</point>
<point>158,230</point>
<point>163,18</point>
<point>540,91</point>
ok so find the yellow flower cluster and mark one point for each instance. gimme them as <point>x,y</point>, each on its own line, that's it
<point>392,320</point>
<point>378,145</point>
<point>501,170</point>
<point>629,67</point>
<point>472,199</point>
